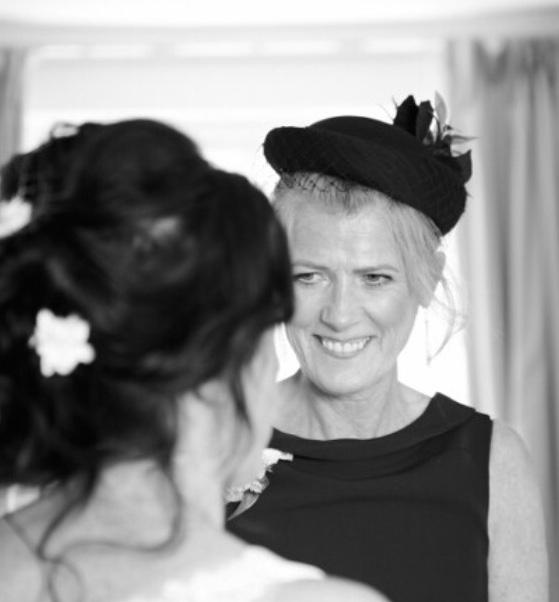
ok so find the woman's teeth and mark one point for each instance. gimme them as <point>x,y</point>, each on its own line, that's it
<point>346,347</point>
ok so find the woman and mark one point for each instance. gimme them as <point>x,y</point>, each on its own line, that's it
<point>427,498</point>
<point>135,352</point>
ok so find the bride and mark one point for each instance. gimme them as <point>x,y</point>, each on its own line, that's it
<point>137,373</point>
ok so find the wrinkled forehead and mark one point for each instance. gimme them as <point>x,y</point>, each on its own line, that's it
<point>300,208</point>
<point>321,231</point>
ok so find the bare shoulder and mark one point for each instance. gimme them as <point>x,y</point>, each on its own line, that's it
<point>330,589</point>
<point>508,451</point>
<point>514,489</point>
<point>20,576</point>
<point>517,551</point>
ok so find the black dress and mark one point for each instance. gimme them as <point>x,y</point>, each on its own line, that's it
<point>406,512</point>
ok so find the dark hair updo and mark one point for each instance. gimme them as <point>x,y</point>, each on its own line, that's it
<point>40,176</point>
<point>177,267</point>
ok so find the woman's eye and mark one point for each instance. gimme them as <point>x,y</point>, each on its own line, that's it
<point>377,279</point>
<point>306,277</point>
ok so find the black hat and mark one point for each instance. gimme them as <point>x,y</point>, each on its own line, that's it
<point>409,160</point>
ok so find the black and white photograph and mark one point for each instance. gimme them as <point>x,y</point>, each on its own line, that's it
<point>279,301</point>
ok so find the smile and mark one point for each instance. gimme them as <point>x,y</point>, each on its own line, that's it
<point>343,348</point>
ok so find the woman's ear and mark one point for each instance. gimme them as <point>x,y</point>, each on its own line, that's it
<point>440,262</point>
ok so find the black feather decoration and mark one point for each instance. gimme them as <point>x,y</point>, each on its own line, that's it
<point>429,125</point>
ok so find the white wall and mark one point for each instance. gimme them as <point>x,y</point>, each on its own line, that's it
<point>227,102</point>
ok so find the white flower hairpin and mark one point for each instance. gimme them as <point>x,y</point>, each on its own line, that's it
<point>248,493</point>
<point>14,215</point>
<point>61,343</point>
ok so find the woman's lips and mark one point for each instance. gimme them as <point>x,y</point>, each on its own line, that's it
<point>343,349</point>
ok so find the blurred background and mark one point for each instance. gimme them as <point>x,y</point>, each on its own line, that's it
<point>226,72</point>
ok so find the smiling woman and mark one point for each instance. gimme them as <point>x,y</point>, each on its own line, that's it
<point>387,485</point>
<point>417,247</point>
<point>351,295</point>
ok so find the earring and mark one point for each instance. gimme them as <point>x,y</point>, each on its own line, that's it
<point>427,337</point>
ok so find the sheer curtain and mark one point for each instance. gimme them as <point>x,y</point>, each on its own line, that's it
<point>507,94</point>
<point>12,63</point>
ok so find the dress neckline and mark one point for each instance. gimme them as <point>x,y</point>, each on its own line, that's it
<point>440,415</point>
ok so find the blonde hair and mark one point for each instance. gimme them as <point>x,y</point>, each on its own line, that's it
<point>416,236</point>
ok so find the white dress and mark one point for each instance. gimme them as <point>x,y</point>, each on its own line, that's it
<point>244,579</point>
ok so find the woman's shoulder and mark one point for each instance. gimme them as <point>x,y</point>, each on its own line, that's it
<point>257,575</point>
<point>254,573</point>
<point>512,475</point>
<point>290,581</point>
<point>20,575</point>
<point>518,558</point>
<point>257,563</point>
<point>329,589</point>
<point>510,465</point>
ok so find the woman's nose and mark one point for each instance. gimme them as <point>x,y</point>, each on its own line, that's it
<point>341,308</point>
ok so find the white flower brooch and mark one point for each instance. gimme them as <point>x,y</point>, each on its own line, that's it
<point>61,343</point>
<point>14,215</point>
<point>248,493</point>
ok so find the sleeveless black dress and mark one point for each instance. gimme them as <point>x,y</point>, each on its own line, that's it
<point>406,512</point>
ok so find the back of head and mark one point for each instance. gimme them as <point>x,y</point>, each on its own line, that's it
<point>176,267</point>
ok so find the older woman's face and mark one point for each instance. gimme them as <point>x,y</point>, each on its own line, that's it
<point>354,308</point>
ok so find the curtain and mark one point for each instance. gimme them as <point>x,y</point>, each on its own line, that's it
<point>506,94</point>
<point>12,62</point>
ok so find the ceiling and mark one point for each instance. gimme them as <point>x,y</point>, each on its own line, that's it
<point>162,13</point>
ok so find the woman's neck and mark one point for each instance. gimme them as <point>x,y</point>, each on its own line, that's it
<point>133,502</point>
<point>139,493</point>
<point>311,413</point>
<point>131,512</point>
